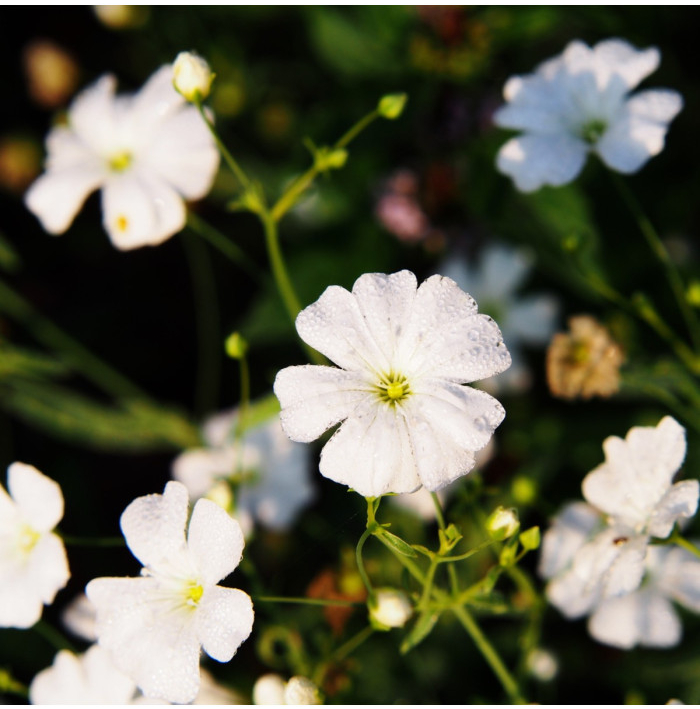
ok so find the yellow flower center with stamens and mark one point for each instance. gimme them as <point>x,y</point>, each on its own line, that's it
<point>194,593</point>
<point>122,223</point>
<point>27,539</point>
<point>120,161</point>
<point>393,388</point>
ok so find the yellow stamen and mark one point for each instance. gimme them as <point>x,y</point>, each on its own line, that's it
<point>122,223</point>
<point>120,161</point>
<point>193,594</point>
<point>393,388</point>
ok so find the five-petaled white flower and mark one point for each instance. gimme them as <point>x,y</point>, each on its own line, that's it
<point>264,476</point>
<point>155,625</point>
<point>524,320</point>
<point>147,152</point>
<point>33,563</point>
<point>405,353</point>
<point>578,103</point>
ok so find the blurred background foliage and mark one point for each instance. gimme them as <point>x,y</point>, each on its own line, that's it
<point>284,74</point>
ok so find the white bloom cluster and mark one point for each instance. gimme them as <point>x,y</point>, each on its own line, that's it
<point>33,562</point>
<point>146,152</point>
<point>598,554</point>
<point>404,354</point>
<point>272,689</point>
<point>154,626</point>
<point>578,103</point>
<point>263,477</point>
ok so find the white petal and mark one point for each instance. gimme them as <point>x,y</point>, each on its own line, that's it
<point>156,103</point>
<point>371,452</point>
<point>446,338</point>
<point>656,105</point>
<point>503,271</point>
<point>197,469</point>
<point>269,689</point>
<point>679,577</point>
<point>39,498</point>
<point>94,117</point>
<point>536,160</point>
<point>20,604</point>
<point>314,398</point>
<point>571,595</point>
<point>154,525</point>
<point>159,650</point>
<point>334,326</point>
<point>620,57</point>
<point>215,541</point>
<point>47,567</point>
<point>224,620</point>
<point>219,430</point>
<point>680,502</point>
<point>570,530</point>
<point>139,209</point>
<point>58,195</point>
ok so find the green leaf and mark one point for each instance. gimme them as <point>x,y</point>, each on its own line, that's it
<point>21,362</point>
<point>396,543</point>
<point>10,261</point>
<point>421,629</point>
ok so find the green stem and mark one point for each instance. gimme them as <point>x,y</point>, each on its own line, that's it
<point>360,563</point>
<point>684,543</point>
<point>224,245</point>
<point>70,350</point>
<point>659,250</point>
<point>102,542</point>
<point>228,158</point>
<point>9,685</point>
<point>490,655</point>
<point>466,555</point>
<point>307,601</point>
<point>50,634</point>
<point>245,397</point>
<point>440,516</point>
<point>207,326</point>
<point>353,132</point>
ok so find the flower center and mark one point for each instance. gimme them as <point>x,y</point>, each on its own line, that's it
<point>593,131</point>
<point>122,223</point>
<point>27,539</point>
<point>193,593</point>
<point>393,388</point>
<point>120,161</point>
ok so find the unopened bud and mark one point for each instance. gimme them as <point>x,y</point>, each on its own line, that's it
<point>192,76</point>
<point>236,346</point>
<point>542,664</point>
<point>389,608</point>
<point>391,106</point>
<point>530,538</point>
<point>300,690</point>
<point>502,523</point>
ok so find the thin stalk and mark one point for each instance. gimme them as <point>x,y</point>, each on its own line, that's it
<point>307,601</point>
<point>206,324</point>
<point>50,634</point>
<point>686,544</point>
<point>228,158</point>
<point>9,685</point>
<point>440,516</point>
<point>102,542</point>
<point>71,351</point>
<point>360,563</point>
<point>490,655</point>
<point>244,373</point>
<point>224,245</point>
<point>466,555</point>
<point>659,250</point>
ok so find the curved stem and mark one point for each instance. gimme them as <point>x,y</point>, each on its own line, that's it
<point>360,563</point>
<point>659,250</point>
<point>342,652</point>
<point>490,655</point>
<point>307,601</point>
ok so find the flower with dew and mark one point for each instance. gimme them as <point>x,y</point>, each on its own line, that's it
<point>525,320</point>
<point>404,354</point>
<point>155,625</point>
<point>578,103</point>
<point>646,616</point>
<point>598,551</point>
<point>262,477</point>
<point>90,678</point>
<point>147,153</point>
<point>585,361</point>
<point>272,689</point>
<point>33,562</point>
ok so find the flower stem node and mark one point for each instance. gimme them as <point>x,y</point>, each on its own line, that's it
<point>236,346</point>
<point>391,106</point>
<point>326,159</point>
<point>388,609</point>
<point>449,538</point>
<point>192,77</point>
<point>502,523</point>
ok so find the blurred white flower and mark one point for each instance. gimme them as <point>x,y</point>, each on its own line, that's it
<point>147,152</point>
<point>33,562</point>
<point>578,102</point>
<point>90,678</point>
<point>404,353</point>
<point>155,625</point>
<point>272,689</point>
<point>265,474</point>
<point>542,664</point>
<point>192,76</point>
<point>528,320</point>
<point>80,618</point>
<point>389,608</point>
<point>646,616</point>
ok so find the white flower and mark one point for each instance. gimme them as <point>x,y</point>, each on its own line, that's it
<point>272,689</point>
<point>542,664</point>
<point>147,152</point>
<point>390,609</point>
<point>90,678</point>
<point>404,355</point>
<point>524,320</point>
<point>269,475</point>
<point>646,616</point>
<point>192,76</point>
<point>578,103</point>
<point>79,618</point>
<point>155,625</point>
<point>33,562</point>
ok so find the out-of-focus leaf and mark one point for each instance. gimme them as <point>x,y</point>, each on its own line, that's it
<point>21,362</point>
<point>421,629</point>
<point>9,258</point>
<point>134,426</point>
<point>396,543</point>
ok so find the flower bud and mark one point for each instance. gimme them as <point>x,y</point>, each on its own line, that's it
<point>502,523</point>
<point>389,609</point>
<point>236,346</point>
<point>192,76</point>
<point>300,690</point>
<point>542,664</point>
<point>530,538</point>
<point>391,106</point>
